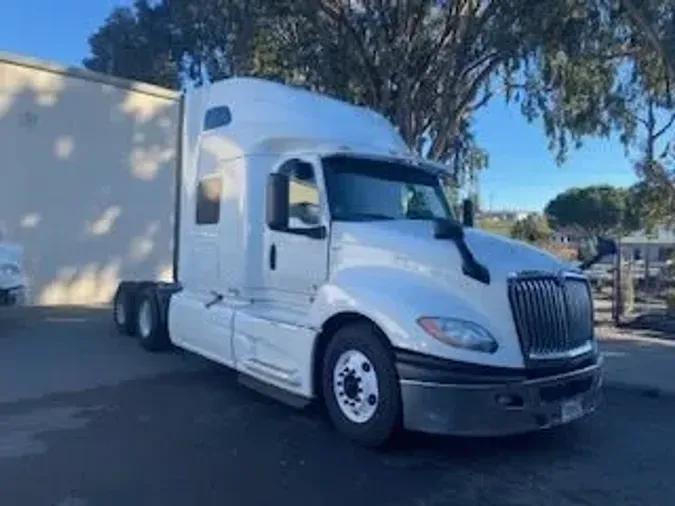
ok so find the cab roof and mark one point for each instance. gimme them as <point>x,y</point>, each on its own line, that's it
<point>264,116</point>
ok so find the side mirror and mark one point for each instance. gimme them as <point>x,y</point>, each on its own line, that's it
<point>595,249</point>
<point>277,201</point>
<point>606,247</point>
<point>468,213</point>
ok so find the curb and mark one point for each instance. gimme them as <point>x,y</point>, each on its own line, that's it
<point>643,390</point>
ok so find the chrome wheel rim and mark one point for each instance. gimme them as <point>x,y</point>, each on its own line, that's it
<point>355,386</point>
<point>144,319</point>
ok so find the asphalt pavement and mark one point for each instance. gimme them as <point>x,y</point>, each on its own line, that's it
<point>88,418</point>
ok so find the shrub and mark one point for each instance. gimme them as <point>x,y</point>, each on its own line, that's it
<point>532,229</point>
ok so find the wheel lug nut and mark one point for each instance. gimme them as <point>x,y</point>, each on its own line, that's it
<point>365,366</point>
<point>372,399</point>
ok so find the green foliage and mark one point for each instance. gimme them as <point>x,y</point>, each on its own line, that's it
<point>425,66</point>
<point>136,43</point>
<point>600,72</point>
<point>500,227</point>
<point>533,229</point>
<point>594,209</point>
<point>643,210</point>
<point>654,197</point>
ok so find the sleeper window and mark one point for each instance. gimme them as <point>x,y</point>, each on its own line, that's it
<point>208,200</point>
<point>217,117</point>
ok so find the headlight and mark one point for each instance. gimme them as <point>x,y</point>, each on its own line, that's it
<point>459,333</point>
<point>9,270</point>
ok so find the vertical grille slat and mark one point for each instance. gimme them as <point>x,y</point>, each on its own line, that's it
<point>548,320</point>
<point>553,315</point>
<point>522,316</point>
<point>561,321</point>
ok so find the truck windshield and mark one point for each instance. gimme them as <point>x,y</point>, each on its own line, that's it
<point>366,189</point>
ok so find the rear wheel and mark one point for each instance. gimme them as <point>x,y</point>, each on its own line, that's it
<point>123,309</point>
<point>151,325</point>
<point>360,386</point>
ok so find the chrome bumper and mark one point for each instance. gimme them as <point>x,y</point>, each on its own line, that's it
<point>500,406</point>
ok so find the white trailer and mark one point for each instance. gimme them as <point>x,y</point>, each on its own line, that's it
<point>319,258</point>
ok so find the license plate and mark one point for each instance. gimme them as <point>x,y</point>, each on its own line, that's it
<point>571,410</point>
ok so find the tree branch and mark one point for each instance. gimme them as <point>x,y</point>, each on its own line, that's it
<point>478,81</point>
<point>665,127</point>
<point>481,102</point>
<point>339,16</point>
<point>652,37</point>
<point>448,29</point>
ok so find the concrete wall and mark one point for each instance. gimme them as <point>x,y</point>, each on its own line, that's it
<point>87,166</point>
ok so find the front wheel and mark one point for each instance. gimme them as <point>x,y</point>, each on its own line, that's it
<point>360,386</point>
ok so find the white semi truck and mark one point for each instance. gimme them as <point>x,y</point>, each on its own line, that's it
<point>319,258</point>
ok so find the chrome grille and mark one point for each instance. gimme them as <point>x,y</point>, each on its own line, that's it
<point>553,315</point>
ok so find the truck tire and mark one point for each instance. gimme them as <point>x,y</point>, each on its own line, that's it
<point>360,386</point>
<point>151,324</point>
<point>124,309</point>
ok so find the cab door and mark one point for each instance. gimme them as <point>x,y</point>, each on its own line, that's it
<point>273,339</point>
<point>296,263</point>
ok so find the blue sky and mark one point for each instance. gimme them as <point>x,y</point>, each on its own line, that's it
<point>522,172</point>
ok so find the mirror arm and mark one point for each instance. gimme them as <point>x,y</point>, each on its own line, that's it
<point>587,263</point>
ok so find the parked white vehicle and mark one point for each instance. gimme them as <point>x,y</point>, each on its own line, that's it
<point>320,258</point>
<point>12,277</point>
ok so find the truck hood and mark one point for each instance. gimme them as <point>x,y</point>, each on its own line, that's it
<point>413,241</point>
<point>398,269</point>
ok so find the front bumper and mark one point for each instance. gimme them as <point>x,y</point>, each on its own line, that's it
<point>445,397</point>
<point>14,296</point>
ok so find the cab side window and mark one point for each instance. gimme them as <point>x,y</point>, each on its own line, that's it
<point>304,196</point>
<point>208,200</point>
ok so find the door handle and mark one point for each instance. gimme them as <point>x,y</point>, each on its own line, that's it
<point>273,257</point>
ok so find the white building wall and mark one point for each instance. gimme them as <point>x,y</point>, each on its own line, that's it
<point>87,165</point>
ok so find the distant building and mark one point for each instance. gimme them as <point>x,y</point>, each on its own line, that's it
<point>504,215</point>
<point>657,247</point>
<point>568,236</point>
